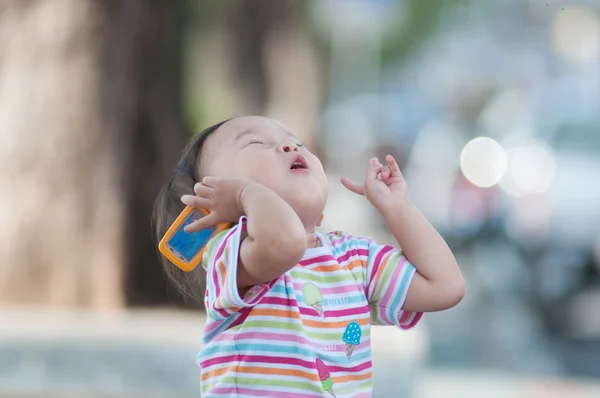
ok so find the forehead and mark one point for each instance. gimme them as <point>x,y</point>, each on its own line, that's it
<point>229,133</point>
<point>236,128</point>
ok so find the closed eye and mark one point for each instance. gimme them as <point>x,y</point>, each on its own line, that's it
<point>255,142</point>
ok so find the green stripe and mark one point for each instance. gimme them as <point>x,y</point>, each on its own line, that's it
<point>284,324</point>
<point>266,381</point>
<point>385,276</point>
<point>375,319</point>
<point>354,388</point>
<point>324,277</point>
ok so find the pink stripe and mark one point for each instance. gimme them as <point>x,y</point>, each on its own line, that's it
<point>243,314</point>
<point>377,262</point>
<point>288,302</point>
<point>346,238</point>
<point>222,312</point>
<point>348,287</point>
<point>351,311</point>
<point>235,391</point>
<point>282,301</point>
<point>264,359</point>
<point>416,318</point>
<point>210,326</point>
<point>392,285</point>
<point>318,260</point>
<point>265,336</point>
<point>335,313</point>
<point>337,241</point>
<point>337,289</point>
<point>310,311</point>
<point>354,369</point>
<point>237,358</point>
<point>353,253</point>
<point>264,289</point>
<point>218,255</point>
<point>259,298</point>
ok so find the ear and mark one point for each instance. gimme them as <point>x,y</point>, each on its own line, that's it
<point>319,220</point>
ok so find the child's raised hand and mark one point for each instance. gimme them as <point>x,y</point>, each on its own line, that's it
<point>384,185</point>
<point>221,197</point>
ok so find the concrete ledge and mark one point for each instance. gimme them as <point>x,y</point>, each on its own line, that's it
<point>99,355</point>
<point>150,354</point>
<point>482,384</point>
<point>178,327</point>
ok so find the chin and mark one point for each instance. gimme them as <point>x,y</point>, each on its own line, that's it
<point>308,207</point>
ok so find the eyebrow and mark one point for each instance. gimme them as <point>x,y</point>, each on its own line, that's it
<point>246,132</point>
<point>292,135</point>
<point>242,134</point>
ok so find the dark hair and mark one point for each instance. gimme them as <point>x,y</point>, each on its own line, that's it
<point>168,206</point>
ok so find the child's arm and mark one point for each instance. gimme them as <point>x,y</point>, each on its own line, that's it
<point>438,283</point>
<point>276,238</point>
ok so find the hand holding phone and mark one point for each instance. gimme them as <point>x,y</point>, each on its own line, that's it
<point>214,208</point>
<point>185,249</point>
<point>221,197</point>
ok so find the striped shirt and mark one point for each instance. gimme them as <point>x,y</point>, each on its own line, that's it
<point>307,333</point>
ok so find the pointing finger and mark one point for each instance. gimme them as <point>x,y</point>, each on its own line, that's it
<point>353,186</point>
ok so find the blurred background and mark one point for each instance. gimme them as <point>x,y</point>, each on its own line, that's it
<point>491,107</point>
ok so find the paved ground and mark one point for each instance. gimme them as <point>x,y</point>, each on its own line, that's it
<point>151,354</point>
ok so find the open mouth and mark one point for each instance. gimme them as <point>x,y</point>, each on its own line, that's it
<point>299,163</point>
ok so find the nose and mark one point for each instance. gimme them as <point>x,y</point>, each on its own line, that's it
<point>288,147</point>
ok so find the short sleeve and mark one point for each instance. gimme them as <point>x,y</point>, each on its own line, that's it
<point>220,261</point>
<point>387,279</point>
<point>385,275</point>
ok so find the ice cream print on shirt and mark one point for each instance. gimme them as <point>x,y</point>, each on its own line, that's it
<point>325,377</point>
<point>351,337</point>
<point>313,297</point>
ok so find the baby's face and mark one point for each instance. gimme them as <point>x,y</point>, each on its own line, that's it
<point>263,150</point>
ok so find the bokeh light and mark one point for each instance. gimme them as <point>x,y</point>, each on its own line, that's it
<point>576,34</point>
<point>483,162</point>
<point>530,170</point>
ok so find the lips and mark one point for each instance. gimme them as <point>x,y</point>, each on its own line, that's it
<point>299,163</point>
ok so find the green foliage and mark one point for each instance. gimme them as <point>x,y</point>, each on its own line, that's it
<point>417,22</point>
<point>421,21</point>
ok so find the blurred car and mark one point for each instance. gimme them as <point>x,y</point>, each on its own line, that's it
<point>559,243</point>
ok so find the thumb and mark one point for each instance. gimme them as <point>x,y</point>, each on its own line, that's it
<point>203,223</point>
<point>374,169</point>
<point>353,186</point>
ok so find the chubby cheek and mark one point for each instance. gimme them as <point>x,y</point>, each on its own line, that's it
<point>318,170</point>
<point>261,171</point>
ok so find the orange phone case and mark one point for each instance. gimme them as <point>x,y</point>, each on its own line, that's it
<point>172,254</point>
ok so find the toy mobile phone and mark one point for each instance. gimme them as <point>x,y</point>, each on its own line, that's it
<point>185,249</point>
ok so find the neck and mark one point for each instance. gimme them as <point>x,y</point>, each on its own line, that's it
<point>312,240</point>
<point>310,224</point>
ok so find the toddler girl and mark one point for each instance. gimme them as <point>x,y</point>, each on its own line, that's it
<point>289,309</point>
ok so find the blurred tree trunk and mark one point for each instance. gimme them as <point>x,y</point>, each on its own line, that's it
<point>89,127</point>
<point>258,58</point>
<point>275,64</point>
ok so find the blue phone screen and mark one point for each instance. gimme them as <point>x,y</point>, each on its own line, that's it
<point>187,245</point>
